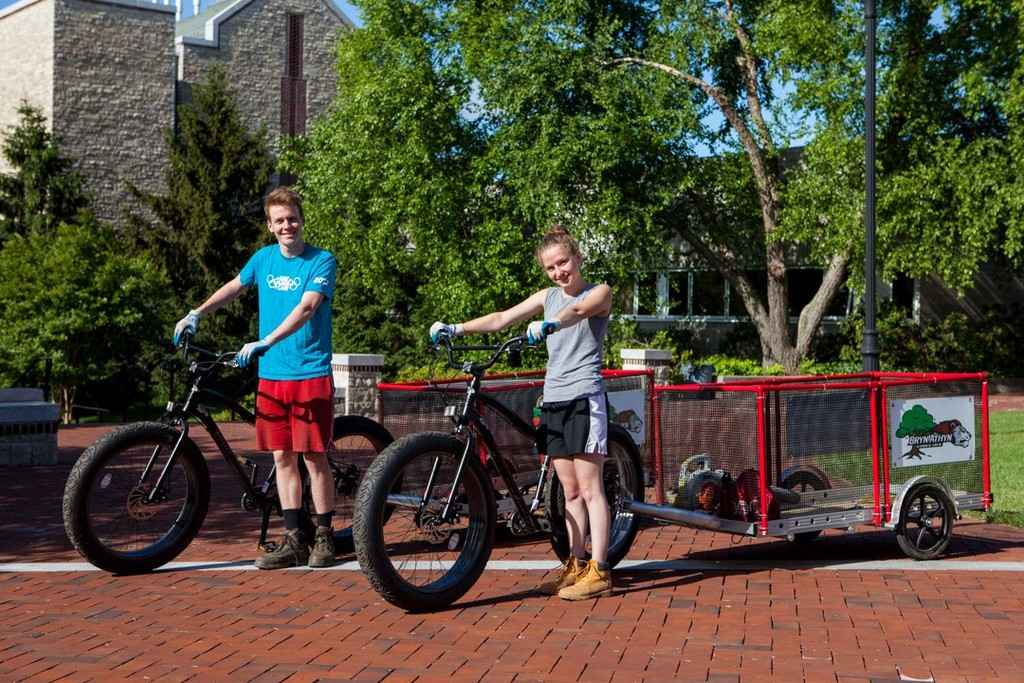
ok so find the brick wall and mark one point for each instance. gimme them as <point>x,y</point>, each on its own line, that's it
<point>114,75</point>
<point>26,63</point>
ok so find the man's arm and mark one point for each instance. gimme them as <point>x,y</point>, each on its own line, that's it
<point>297,318</point>
<point>190,323</point>
<point>223,296</point>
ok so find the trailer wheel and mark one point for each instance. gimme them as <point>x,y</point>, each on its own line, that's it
<point>925,524</point>
<point>802,481</point>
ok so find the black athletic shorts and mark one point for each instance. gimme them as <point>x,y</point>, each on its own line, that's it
<point>579,426</point>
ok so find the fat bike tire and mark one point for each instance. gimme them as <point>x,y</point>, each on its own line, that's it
<point>410,555</point>
<point>107,516</point>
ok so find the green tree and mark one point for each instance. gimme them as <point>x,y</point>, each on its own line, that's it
<point>44,190</point>
<point>77,300</point>
<point>392,186</point>
<point>915,421</point>
<point>433,202</point>
<point>948,173</point>
<point>211,219</point>
<point>461,129</point>
<point>766,65</point>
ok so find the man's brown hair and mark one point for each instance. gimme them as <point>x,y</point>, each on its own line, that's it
<point>283,196</point>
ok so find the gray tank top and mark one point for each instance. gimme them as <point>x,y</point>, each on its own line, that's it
<point>574,353</point>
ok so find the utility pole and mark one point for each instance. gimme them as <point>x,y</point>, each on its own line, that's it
<point>869,347</point>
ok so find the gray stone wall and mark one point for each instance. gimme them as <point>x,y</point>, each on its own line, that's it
<point>26,62</point>
<point>28,428</point>
<point>114,75</point>
<point>356,376</point>
<point>649,359</point>
<point>252,44</point>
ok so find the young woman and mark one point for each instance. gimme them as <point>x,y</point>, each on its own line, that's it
<point>574,417</point>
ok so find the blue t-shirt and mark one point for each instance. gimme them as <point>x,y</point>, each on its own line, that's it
<point>280,282</point>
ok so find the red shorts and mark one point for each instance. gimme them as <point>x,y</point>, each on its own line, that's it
<point>295,415</point>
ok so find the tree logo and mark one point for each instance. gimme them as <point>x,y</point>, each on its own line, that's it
<point>920,431</point>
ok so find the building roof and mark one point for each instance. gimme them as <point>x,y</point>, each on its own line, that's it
<point>195,26</point>
<point>203,28</point>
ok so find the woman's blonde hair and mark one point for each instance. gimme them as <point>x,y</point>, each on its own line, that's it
<point>558,235</point>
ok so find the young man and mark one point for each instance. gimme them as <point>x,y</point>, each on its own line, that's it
<point>294,401</point>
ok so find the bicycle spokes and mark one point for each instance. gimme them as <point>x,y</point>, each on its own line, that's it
<point>125,510</point>
<point>421,541</point>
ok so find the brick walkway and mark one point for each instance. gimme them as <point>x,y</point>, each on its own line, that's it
<point>764,622</point>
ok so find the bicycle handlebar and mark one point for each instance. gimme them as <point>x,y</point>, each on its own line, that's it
<point>227,359</point>
<point>509,345</point>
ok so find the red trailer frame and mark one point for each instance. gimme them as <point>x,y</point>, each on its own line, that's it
<point>873,390</point>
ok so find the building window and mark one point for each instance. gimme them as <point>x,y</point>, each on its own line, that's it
<point>707,294</point>
<point>679,293</point>
<point>293,85</point>
<point>647,294</point>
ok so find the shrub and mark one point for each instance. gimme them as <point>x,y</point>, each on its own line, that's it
<point>953,344</point>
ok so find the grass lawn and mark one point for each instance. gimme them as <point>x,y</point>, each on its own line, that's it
<point>1006,439</point>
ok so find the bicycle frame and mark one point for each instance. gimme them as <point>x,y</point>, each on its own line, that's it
<point>470,423</point>
<point>247,472</point>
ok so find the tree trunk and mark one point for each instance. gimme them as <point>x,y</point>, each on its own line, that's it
<point>67,401</point>
<point>772,322</point>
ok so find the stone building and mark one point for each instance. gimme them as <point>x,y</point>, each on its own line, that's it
<point>108,73</point>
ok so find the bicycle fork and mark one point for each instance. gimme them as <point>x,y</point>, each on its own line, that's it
<point>446,512</point>
<point>157,489</point>
<point>541,483</point>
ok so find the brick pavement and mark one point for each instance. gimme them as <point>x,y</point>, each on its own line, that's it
<point>766,624</point>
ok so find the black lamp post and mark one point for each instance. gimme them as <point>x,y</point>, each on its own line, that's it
<point>869,347</point>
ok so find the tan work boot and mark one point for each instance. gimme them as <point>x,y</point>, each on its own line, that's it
<point>572,570</point>
<point>322,554</point>
<point>594,583</point>
<point>292,551</point>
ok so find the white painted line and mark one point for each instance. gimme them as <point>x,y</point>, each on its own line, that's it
<point>547,565</point>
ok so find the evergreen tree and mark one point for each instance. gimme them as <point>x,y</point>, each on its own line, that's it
<point>211,219</point>
<point>44,190</point>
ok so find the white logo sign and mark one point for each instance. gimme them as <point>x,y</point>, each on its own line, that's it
<point>628,410</point>
<point>283,283</point>
<point>926,431</point>
<point>320,280</point>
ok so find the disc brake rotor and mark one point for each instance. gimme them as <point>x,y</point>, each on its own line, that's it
<point>434,529</point>
<point>138,508</point>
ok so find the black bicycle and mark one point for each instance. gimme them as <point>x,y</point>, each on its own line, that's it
<point>138,496</point>
<point>426,510</point>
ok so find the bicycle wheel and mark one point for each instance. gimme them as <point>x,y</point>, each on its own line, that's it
<point>623,482</point>
<point>357,441</point>
<point>106,513</point>
<point>411,556</point>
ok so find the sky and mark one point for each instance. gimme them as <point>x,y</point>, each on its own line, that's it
<point>350,11</point>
